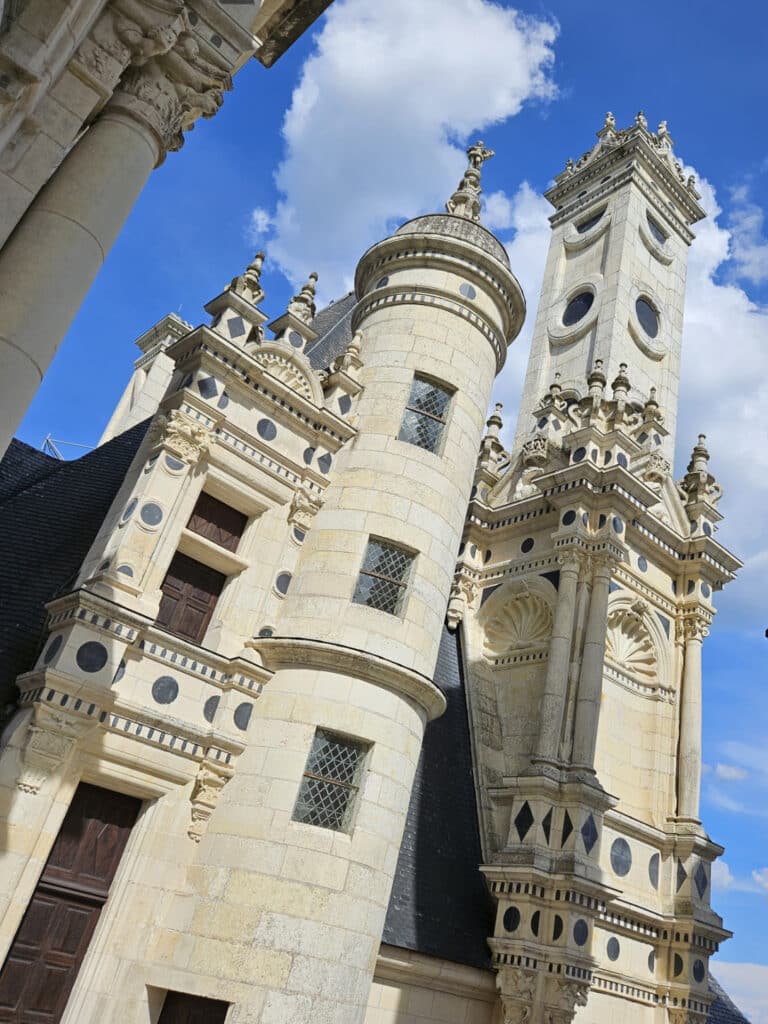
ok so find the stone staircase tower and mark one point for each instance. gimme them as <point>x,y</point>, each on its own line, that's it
<point>584,590</point>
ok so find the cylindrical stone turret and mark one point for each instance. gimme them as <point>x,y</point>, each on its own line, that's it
<point>355,648</point>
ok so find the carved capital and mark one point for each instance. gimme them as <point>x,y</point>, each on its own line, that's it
<point>51,737</point>
<point>206,790</point>
<point>517,989</point>
<point>181,435</point>
<point>535,451</point>
<point>463,595</point>
<point>305,505</point>
<point>693,627</point>
<point>564,996</point>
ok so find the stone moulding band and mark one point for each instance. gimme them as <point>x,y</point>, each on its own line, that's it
<point>291,652</point>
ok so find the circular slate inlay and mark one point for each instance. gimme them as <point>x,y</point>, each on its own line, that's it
<point>242,715</point>
<point>569,517</point>
<point>652,961</point>
<point>173,463</point>
<point>53,649</point>
<point>309,454</point>
<point>613,948</point>
<point>91,656</point>
<point>706,590</point>
<point>580,932</point>
<point>577,308</point>
<point>295,339</point>
<point>618,524</point>
<point>381,282</point>
<point>579,454</point>
<point>557,928</point>
<point>678,966</point>
<point>535,921</point>
<point>126,570</point>
<point>151,513</point>
<point>621,857</point>
<point>607,458</point>
<point>648,317</point>
<point>706,528</point>
<point>165,690</point>
<point>467,290</point>
<point>527,545</point>
<point>642,563</point>
<point>282,582</point>
<point>223,401</point>
<point>699,971</point>
<point>653,870</point>
<point>210,707</point>
<point>298,535</point>
<point>622,460</point>
<point>266,429</point>
<point>266,631</point>
<point>511,919</point>
<point>324,463</point>
<point>120,672</point>
<point>130,508</point>
<point>585,518</point>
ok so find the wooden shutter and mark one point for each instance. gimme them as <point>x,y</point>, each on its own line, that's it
<point>217,522</point>
<point>49,947</point>
<point>181,1008</point>
<point>190,592</point>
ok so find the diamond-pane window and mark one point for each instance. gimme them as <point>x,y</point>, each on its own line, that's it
<point>383,579</point>
<point>331,781</point>
<point>425,414</point>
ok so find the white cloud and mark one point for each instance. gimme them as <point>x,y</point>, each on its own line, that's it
<point>747,985</point>
<point>724,880</point>
<point>761,878</point>
<point>730,773</point>
<point>259,225</point>
<point>749,244</point>
<point>376,127</point>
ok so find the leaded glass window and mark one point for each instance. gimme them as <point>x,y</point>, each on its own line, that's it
<point>425,414</point>
<point>331,782</point>
<point>383,579</point>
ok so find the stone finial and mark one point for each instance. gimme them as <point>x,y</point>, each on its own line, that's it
<point>302,306</point>
<point>699,456</point>
<point>641,120</point>
<point>569,166</point>
<point>621,384</point>
<point>248,284</point>
<point>609,125</point>
<point>465,201</point>
<point>494,422</point>
<point>555,388</point>
<point>651,407</point>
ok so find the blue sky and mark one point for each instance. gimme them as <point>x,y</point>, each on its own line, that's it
<point>363,124</point>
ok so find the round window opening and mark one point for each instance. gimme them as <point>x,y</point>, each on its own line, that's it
<point>656,230</point>
<point>648,317</point>
<point>589,223</point>
<point>577,308</point>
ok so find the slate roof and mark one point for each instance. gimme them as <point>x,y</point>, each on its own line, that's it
<point>333,324</point>
<point>50,512</point>
<point>723,1010</point>
<point>439,903</point>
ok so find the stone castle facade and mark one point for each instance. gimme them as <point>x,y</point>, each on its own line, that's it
<point>345,713</point>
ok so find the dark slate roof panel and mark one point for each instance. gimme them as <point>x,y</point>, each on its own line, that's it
<point>23,466</point>
<point>46,529</point>
<point>723,1010</point>
<point>333,325</point>
<point>439,903</point>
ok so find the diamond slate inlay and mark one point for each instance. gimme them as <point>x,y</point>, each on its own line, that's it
<point>236,327</point>
<point>589,833</point>
<point>524,820</point>
<point>701,880</point>
<point>567,828</point>
<point>546,824</point>
<point>682,874</point>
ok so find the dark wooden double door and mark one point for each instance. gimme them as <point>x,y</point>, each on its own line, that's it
<point>49,947</point>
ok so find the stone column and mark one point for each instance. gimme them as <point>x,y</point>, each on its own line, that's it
<point>50,261</point>
<point>556,682</point>
<point>689,751</point>
<point>591,676</point>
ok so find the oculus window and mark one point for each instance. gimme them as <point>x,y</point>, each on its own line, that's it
<point>331,782</point>
<point>648,317</point>
<point>383,579</point>
<point>425,414</point>
<point>577,308</point>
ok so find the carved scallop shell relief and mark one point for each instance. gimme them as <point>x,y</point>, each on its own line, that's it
<point>523,623</point>
<point>629,645</point>
<point>286,371</point>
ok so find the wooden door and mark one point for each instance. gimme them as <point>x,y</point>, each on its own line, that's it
<point>181,1008</point>
<point>219,523</point>
<point>54,933</point>
<point>190,592</point>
